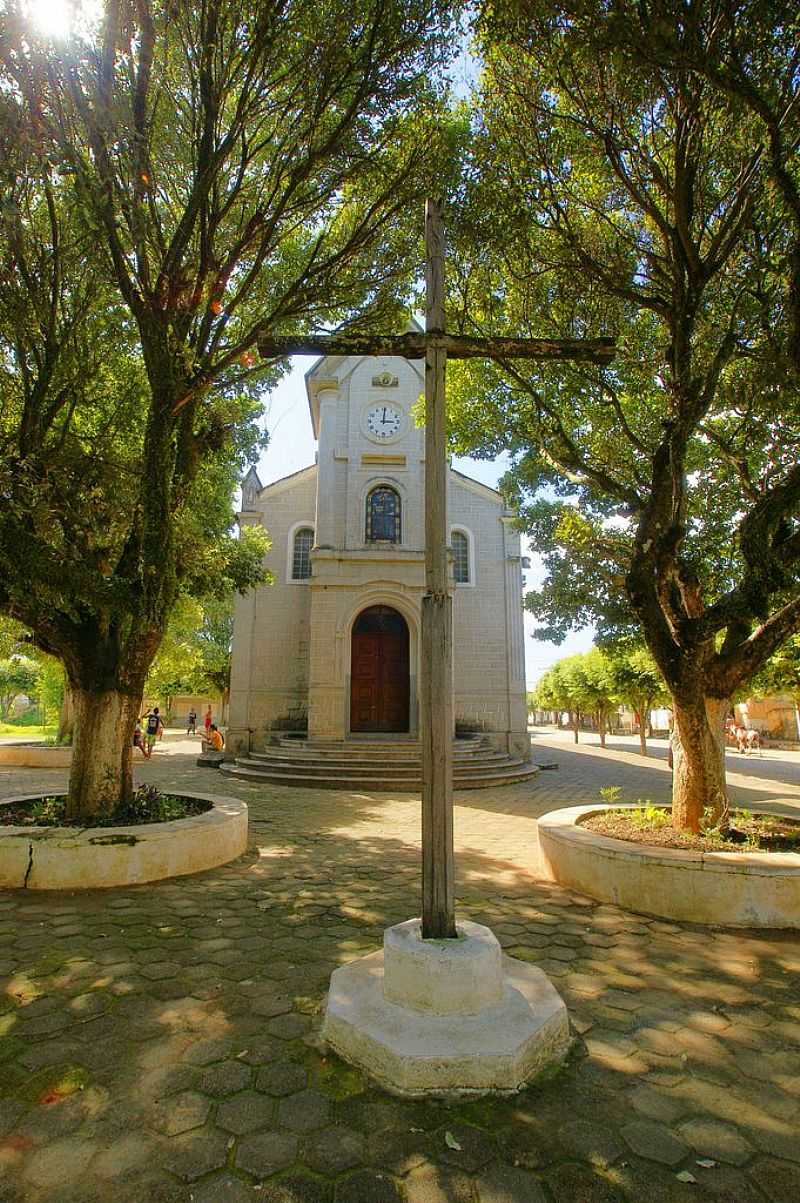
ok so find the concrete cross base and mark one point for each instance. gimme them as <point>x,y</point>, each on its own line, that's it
<point>445,1017</point>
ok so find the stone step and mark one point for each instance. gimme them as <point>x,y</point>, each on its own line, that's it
<point>378,747</point>
<point>289,756</point>
<point>324,767</point>
<point>514,771</point>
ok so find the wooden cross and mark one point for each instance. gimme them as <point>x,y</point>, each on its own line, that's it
<point>436,701</point>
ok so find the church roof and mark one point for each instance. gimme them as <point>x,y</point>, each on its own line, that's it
<point>477,485</point>
<point>284,480</point>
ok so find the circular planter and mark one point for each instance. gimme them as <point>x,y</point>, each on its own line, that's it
<point>729,889</point>
<point>81,858</point>
<point>35,756</point>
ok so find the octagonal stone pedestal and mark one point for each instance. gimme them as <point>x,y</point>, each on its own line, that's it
<point>445,1017</point>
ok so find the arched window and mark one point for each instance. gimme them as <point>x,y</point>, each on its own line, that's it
<point>301,553</point>
<point>383,515</point>
<point>461,565</point>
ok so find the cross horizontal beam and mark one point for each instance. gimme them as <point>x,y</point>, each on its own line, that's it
<point>415,346</point>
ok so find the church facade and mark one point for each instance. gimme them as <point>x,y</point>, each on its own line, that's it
<point>334,641</point>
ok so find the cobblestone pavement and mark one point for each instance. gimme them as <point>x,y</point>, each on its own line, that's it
<point>159,1043</point>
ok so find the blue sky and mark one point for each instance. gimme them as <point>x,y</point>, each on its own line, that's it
<point>292,446</point>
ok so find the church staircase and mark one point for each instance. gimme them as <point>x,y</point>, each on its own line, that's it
<point>375,765</point>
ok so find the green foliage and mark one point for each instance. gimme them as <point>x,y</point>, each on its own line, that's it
<point>17,675</point>
<point>634,174</point>
<point>636,679</point>
<point>174,182</point>
<point>147,805</point>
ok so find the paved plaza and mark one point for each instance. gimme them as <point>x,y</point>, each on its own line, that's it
<point>160,1043</point>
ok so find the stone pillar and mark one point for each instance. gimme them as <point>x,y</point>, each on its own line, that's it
<point>328,398</point>
<point>518,738</point>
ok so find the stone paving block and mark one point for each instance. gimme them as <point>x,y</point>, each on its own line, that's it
<point>304,1111</point>
<point>476,1149</point>
<point>366,1186</point>
<point>334,1150</point>
<point>438,1184</point>
<point>11,1111</point>
<point>654,1141</point>
<point>181,1113</point>
<point>641,1181</point>
<point>527,1145</point>
<point>399,1150</point>
<point>779,1138</point>
<point>59,1162</point>
<point>224,1078</point>
<point>295,1188</point>
<point>289,1027</point>
<point>245,1112</point>
<point>590,1142</point>
<point>570,1183</point>
<point>127,1157</point>
<point>715,1139</point>
<point>281,1078</point>
<point>779,1180</point>
<point>224,1188</point>
<point>193,1154</point>
<point>505,1184</point>
<point>659,1104</point>
<point>266,1152</point>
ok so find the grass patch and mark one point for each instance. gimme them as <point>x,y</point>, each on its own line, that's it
<point>28,731</point>
<point>148,805</point>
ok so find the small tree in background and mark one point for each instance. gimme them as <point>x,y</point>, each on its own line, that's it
<point>18,675</point>
<point>563,688</point>
<point>638,684</point>
<point>599,693</point>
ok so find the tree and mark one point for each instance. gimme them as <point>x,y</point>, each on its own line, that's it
<point>599,692</point>
<point>195,655</point>
<point>564,688</point>
<point>638,684</point>
<point>178,179</point>
<point>634,174</point>
<point>17,675</point>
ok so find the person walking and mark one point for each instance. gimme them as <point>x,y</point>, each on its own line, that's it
<point>191,722</point>
<point>153,728</point>
<point>208,723</point>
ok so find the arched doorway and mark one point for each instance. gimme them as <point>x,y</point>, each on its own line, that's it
<point>379,680</point>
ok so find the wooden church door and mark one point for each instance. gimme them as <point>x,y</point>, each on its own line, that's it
<point>379,674</point>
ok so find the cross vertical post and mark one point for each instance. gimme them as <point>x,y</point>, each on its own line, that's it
<point>436,671</point>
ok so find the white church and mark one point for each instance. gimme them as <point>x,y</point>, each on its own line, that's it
<point>333,644</point>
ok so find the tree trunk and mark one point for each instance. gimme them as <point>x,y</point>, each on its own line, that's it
<point>66,718</point>
<point>101,775</point>
<point>644,716</point>
<point>601,726</point>
<point>698,782</point>
<point>573,719</point>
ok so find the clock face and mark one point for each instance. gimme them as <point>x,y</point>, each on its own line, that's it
<point>384,421</point>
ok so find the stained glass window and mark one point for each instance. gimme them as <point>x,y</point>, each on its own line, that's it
<point>460,544</point>
<point>383,516</point>
<point>301,554</point>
